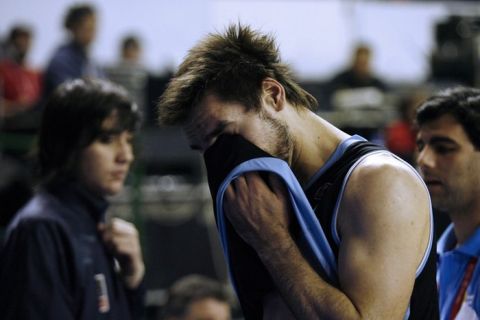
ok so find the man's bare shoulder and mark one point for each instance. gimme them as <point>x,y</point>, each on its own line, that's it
<point>386,171</point>
<point>381,183</point>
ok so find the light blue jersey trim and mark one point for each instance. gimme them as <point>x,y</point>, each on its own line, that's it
<point>312,230</point>
<point>339,151</point>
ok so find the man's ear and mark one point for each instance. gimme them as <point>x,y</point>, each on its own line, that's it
<point>273,93</point>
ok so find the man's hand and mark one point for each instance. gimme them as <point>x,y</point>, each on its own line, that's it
<point>258,210</point>
<point>121,237</point>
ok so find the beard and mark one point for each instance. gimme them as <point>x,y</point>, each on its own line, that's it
<point>280,141</point>
<point>451,201</point>
<point>440,203</point>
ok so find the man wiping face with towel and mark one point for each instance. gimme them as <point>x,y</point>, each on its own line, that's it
<point>314,223</point>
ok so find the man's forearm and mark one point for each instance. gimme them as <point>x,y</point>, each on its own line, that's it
<point>303,290</point>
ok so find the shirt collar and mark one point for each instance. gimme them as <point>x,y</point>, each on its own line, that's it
<point>339,151</point>
<point>72,45</point>
<point>448,241</point>
<point>80,198</point>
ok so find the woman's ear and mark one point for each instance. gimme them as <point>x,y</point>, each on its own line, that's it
<point>273,93</point>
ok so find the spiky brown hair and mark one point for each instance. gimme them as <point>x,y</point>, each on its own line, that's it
<point>232,66</point>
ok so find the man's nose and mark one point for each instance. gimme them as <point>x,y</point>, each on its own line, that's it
<point>426,158</point>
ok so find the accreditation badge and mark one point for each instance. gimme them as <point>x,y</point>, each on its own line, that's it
<point>102,293</point>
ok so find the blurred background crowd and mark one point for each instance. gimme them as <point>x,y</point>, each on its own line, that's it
<point>368,63</point>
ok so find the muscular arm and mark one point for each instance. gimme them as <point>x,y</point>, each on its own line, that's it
<point>383,223</point>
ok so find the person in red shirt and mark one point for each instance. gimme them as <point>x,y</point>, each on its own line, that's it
<point>400,135</point>
<point>20,86</point>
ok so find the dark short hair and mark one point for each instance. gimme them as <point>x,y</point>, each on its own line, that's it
<point>362,48</point>
<point>76,14</point>
<point>232,66</point>
<point>190,289</point>
<point>463,103</point>
<point>129,42</point>
<point>19,31</point>
<point>72,120</point>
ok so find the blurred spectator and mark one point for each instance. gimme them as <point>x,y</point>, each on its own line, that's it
<point>129,72</point>
<point>359,75</point>
<point>400,135</point>
<point>61,258</point>
<point>196,297</point>
<point>20,86</point>
<point>72,59</point>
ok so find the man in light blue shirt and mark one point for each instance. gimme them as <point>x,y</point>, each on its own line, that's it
<point>449,160</point>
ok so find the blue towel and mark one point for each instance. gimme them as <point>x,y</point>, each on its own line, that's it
<point>229,157</point>
<point>311,228</point>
